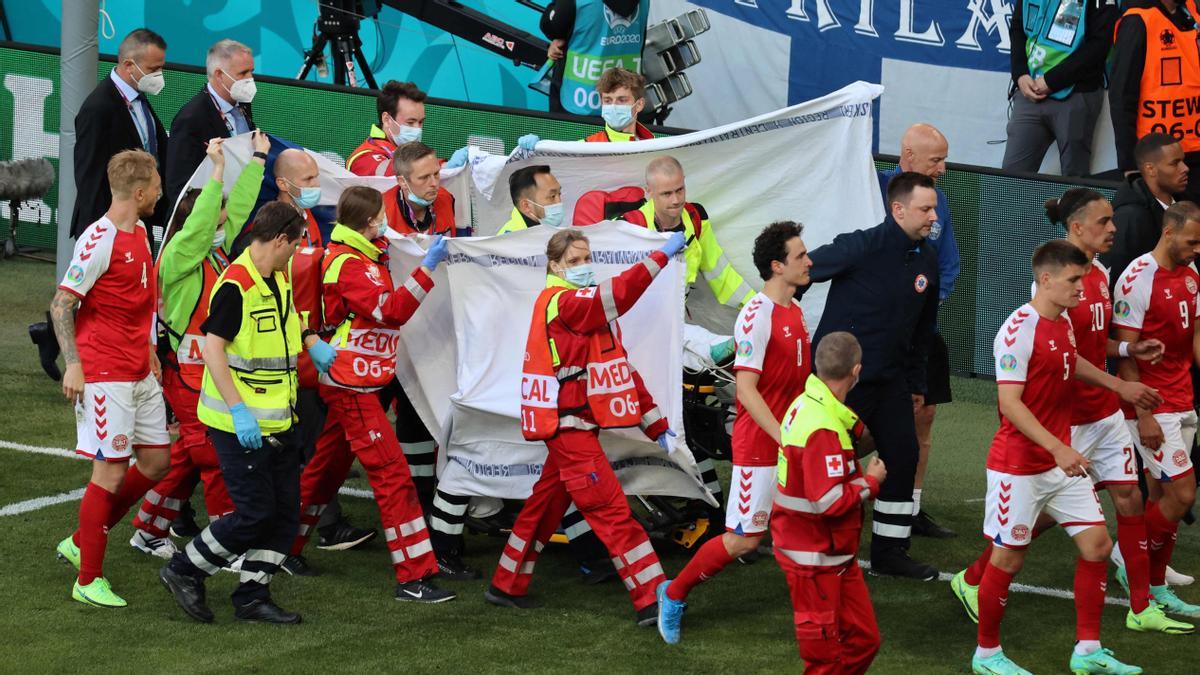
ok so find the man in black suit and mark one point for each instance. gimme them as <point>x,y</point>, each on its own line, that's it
<point>117,116</point>
<point>220,110</point>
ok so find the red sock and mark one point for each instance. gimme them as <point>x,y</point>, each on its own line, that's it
<point>1090,580</point>
<point>1161,534</point>
<point>975,571</point>
<point>94,513</point>
<point>133,488</point>
<point>710,559</point>
<point>1131,537</point>
<point>993,596</point>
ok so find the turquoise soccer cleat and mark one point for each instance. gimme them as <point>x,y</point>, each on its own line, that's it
<point>1100,661</point>
<point>670,614</point>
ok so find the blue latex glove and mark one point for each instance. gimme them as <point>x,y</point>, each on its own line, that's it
<point>664,440</point>
<point>436,254</point>
<point>722,350</point>
<point>246,427</point>
<point>528,142</point>
<point>459,158</point>
<point>674,245</point>
<point>322,354</point>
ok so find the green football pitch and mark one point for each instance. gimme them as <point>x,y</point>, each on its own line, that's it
<point>740,621</point>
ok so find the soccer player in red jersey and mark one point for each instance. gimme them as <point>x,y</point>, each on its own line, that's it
<point>1098,427</point>
<point>1031,466</point>
<point>1156,298</point>
<point>771,366</point>
<point>112,371</point>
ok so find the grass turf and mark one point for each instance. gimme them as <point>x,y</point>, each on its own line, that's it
<point>741,620</point>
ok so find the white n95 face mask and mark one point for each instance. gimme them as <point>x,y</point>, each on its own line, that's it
<point>150,83</point>
<point>243,91</point>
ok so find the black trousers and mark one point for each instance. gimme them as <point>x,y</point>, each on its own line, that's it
<point>264,485</point>
<point>886,409</point>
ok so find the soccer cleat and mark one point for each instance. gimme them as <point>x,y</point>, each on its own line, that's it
<point>1170,602</point>
<point>342,536</point>
<point>297,566</point>
<point>499,598</point>
<point>996,664</point>
<point>423,591</point>
<point>161,547</point>
<point>1100,661</point>
<point>670,614</point>
<point>452,568</point>
<point>1122,578</point>
<point>1175,578</point>
<point>97,594</point>
<point>1154,620</point>
<point>967,594</point>
<point>265,611</point>
<point>68,552</point>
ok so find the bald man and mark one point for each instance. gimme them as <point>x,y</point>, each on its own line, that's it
<point>299,183</point>
<point>923,149</point>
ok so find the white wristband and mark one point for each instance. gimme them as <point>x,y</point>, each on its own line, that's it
<point>1123,350</point>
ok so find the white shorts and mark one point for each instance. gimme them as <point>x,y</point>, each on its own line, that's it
<point>117,418</point>
<point>1108,446</point>
<point>1173,458</point>
<point>751,495</point>
<point>1014,503</point>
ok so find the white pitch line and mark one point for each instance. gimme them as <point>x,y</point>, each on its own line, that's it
<point>52,500</point>
<point>41,502</point>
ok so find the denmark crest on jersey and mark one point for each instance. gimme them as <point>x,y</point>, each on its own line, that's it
<point>1071,337</point>
<point>921,283</point>
<point>1104,290</point>
<point>1191,285</point>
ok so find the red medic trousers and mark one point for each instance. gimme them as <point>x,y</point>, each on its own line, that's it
<point>356,425</point>
<point>835,622</point>
<point>193,458</point>
<point>577,469</point>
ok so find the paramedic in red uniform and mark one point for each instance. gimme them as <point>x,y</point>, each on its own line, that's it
<point>564,403</point>
<point>359,299</point>
<point>817,520</point>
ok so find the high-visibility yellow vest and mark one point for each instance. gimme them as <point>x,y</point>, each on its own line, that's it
<point>515,222</point>
<point>262,356</point>
<point>704,255</point>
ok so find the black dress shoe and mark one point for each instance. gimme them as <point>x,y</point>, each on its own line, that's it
<point>452,568</point>
<point>188,592</point>
<point>647,616</point>
<point>499,598</point>
<point>42,335</point>
<point>342,536</point>
<point>924,526</point>
<point>297,566</point>
<point>184,524</point>
<point>894,561</point>
<point>264,611</point>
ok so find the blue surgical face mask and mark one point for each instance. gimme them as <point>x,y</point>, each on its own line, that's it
<point>580,275</point>
<point>552,215</point>
<point>382,228</point>
<point>408,134</point>
<point>415,198</point>
<point>617,116</point>
<point>309,196</point>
